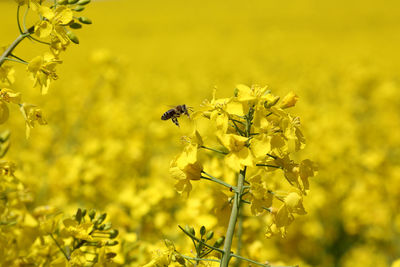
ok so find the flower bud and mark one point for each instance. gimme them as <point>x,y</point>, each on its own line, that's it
<point>73,37</point>
<point>272,102</point>
<point>92,214</point>
<point>112,243</point>
<point>113,233</point>
<point>62,2</point>
<point>289,100</point>
<point>84,211</point>
<point>190,230</point>
<point>85,20</point>
<point>71,2</point>
<point>203,230</point>
<point>75,25</point>
<point>78,215</point>
<point>78,8</point>
<point>111,255</point>
<point>83,2</point>
<point>180,259</point>
<point>219,242</point>
<point>101,218</point>
<point>210,235</point>
<point>107,226</point>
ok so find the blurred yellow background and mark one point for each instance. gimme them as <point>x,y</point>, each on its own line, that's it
<point>106,147</point>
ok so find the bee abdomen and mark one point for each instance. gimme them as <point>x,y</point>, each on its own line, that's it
<point>167,115</point>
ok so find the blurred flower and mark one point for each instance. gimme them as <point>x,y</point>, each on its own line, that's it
<point>42,70</point>
<point>31,114</point>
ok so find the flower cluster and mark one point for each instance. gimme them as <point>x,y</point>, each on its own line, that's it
<point>254,133</point>
<point>53,28</point>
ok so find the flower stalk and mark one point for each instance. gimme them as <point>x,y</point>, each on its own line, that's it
<point>232,220</point>
<point>14,44</point>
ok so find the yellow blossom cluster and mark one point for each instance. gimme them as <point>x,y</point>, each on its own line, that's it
<point>254,134</point>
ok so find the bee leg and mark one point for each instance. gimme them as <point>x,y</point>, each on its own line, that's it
<point>175,120</point>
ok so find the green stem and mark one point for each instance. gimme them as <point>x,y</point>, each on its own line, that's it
<point>25,16</point>
<point>198,259</point>
<point>240,132</point>
<point>58,245</point>
<point>248,202</point>
<point>198,240</point>
<point>9,49</point>
<point>16,60</point>
<point>19,24</point>
<point>212,178</point>
<point>239,236</point>
<point>37,40</point>
<point>215,150</point>
<point>259,263</point>
<point>232,220</point>
<point>14,56</point>
<point>268,165</point>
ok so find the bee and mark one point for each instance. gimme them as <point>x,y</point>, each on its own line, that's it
<point>175,113</point>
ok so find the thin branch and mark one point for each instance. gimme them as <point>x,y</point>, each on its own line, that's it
<point>241,122</point>
<point>237,128</point>
<point>58,245</point>
<point>248,202</point>
<point>14,56</point>
<point>39,41</point>
<point>19,24</point>
<point>198,240</point>
<point>198,259</point>
<point>268,165</point>
<point>215,150</point>
<point>212,178</point>
<point>14,44</point>
<point>15,60</point>
<point>259,263</point>
<point>24,19</point>
<point>274,194</point>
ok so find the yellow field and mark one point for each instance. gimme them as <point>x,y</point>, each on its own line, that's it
<point>105,146</point>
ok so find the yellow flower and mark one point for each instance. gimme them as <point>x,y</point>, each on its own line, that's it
<point>221,120</point>
<point>249,95</point>
<point>55,20</point>
<point>261,145</point>
<point>31,115</point>
<point>188,156</point>
<point>307,169</point>
<point>7,168</point>
<point>259,197</point>
<point>289,100</point>
<point>283,217</point>
<point>7,75</point>
<point>185,167</point>
<point>76,230</point>
<point>239,154</point>
<point>162,259</point>
<point>42,69</point>
<point>294,203</point>
<point>78,258</point>
<point>9,95</point>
